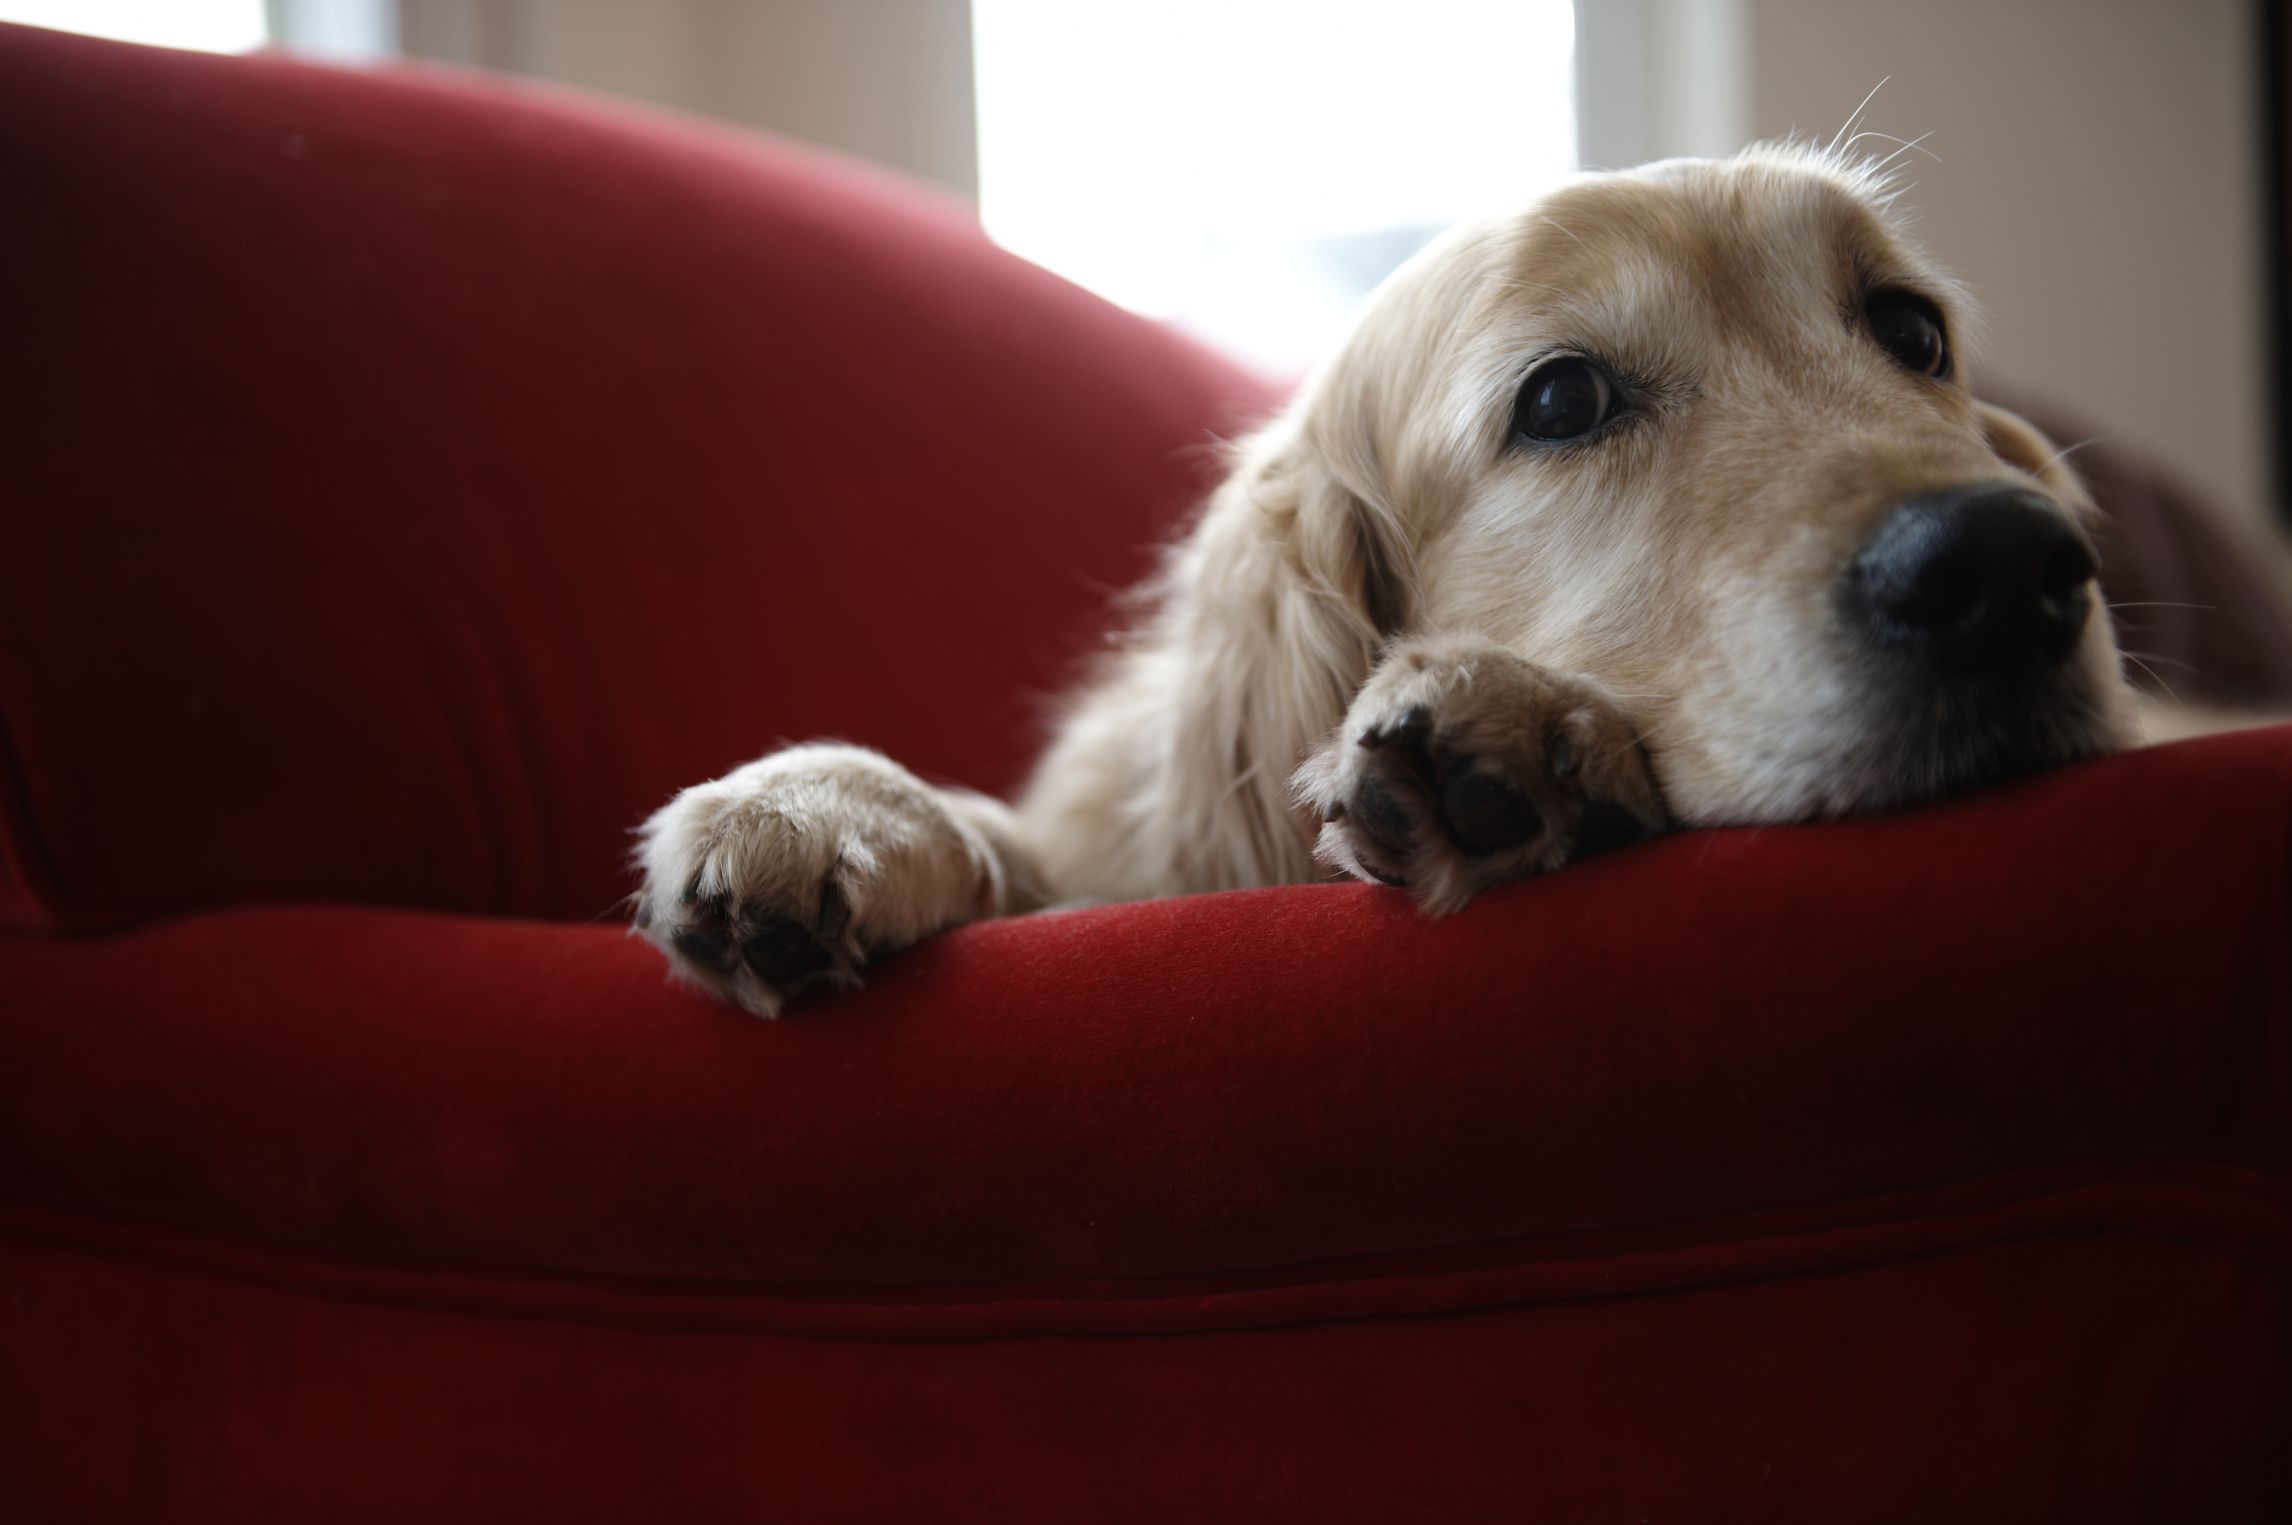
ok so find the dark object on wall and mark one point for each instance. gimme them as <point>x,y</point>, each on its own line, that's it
<point>2195,594</point>
<point>2273,57</point>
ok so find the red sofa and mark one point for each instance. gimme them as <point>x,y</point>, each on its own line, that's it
<point>412,481</point>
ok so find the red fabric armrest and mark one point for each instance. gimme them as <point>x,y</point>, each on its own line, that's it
<point>1766,1039</point>
<point>414,480</point>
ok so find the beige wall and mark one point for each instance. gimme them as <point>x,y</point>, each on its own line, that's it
<point>889,80</point>
<point>2099,186</point>
<point>2099,182</point>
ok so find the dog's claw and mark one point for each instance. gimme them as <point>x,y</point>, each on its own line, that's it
<point>1408,729</point>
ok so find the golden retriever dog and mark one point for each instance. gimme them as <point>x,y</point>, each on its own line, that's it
<point>1663,502</point>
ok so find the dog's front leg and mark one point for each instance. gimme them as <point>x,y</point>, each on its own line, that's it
<point>803,867</point>
<point>1460,766</point>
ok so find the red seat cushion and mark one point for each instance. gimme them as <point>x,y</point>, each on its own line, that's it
<point>1717,1025</point>
<point>1728,1177</point>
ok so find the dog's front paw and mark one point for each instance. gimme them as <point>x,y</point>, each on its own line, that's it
<point>1460,766</point>
<point>796,871</point>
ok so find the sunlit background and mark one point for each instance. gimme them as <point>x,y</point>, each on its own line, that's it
<point>1225,188</point>
<point>214,26</point>
<point>1226,185</point>
<point>1247,169</point>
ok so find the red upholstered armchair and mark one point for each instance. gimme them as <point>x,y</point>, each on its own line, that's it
<point>409,483</point>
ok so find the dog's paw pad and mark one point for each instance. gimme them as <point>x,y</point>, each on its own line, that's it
<point>783,953</point>
<point>707,947</point>
<point>1468,769</point>
<point>1377,812</point>
<point>1484,812</point>
<point>760,951</point>
<point>798,869</point>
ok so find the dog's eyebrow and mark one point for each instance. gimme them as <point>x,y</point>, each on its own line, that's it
<point>1876,260</point>
<point>1631,316</point>
<point>1647,277</point>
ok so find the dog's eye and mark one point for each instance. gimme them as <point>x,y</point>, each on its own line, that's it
<point>1910,329</point>
<point>1563,400</point>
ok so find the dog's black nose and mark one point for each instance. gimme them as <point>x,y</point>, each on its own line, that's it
<point>1982,580</point>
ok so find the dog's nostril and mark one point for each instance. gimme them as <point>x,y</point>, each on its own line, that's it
<point>2069,565</point>
<point>1979,579</point>
<point>1928,594</point>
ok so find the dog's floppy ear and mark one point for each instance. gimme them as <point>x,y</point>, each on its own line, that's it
<point>1274,612</point>
<point>1346,541</point>
<point>1301,573</point>
<point>2017,442</point>
<point>1350,530</point>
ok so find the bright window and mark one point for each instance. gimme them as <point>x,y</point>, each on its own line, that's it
<point>1248,169</point>
<point>214,26</point>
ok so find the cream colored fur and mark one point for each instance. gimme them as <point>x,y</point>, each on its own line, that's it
<point>1639,626</point>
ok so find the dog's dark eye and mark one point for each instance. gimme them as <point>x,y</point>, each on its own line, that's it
<point>1563,400</point>
<point>1910,329</point>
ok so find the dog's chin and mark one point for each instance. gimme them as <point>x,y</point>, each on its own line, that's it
<point>1906,745</point>
<point>1949,742</point>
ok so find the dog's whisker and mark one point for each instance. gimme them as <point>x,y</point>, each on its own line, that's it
<point>1853,117</point>
<point>1885,177</point>
<point>2158,656</point>
<point>1906,145</point>
<point>2163,603</point>
<point>2066,451</point>
<point>2154,676</point>
<point>621,909</point>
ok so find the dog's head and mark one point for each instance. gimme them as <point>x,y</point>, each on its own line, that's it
<point>1702,431</point>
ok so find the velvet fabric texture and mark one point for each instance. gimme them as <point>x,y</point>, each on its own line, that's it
<point>412,481</point>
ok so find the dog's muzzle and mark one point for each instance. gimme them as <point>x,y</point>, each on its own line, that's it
<point>1988,581</point>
